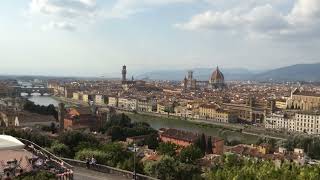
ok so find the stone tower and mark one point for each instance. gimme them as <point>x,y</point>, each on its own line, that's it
<point>190,75</point>
<point>124,73</point>
<point>61,112</point>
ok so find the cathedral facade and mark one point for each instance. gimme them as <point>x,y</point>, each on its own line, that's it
<point>216,81</point>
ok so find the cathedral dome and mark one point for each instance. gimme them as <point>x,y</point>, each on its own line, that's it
<point>217,76</point>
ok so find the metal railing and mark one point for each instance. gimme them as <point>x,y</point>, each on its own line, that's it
<point>68,169</point>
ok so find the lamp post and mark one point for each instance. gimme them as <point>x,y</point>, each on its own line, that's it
<point>134,161</point>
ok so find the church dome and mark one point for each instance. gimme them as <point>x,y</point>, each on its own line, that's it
<point>217,76</point>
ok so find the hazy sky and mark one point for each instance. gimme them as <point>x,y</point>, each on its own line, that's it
<point>96,37</point>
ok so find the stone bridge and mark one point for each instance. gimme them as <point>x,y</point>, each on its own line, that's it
<point>31,90</point>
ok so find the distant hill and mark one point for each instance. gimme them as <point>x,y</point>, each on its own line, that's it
<point>199,73</point>
<point>298,72</point>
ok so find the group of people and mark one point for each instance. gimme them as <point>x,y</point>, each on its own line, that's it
<point>91,162</point>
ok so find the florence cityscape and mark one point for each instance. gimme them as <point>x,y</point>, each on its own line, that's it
<point>160,89</point>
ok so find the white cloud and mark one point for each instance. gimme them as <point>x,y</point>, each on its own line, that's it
<point>215,20</point>
<point>125,8</point>
<point>63,8</point>
<point>59,25</point>
<point>63,14</point>
<point>264,20</point>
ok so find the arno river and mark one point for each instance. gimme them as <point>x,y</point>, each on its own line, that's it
<point>44,100</point>
<point>157,123</point>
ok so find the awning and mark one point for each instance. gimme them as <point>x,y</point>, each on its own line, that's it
<point>10,143</point>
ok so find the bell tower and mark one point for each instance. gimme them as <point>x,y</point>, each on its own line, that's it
<point>124,73</point>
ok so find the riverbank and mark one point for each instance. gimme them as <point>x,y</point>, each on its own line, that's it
<point>230,132</point>
<point>243,129</point>
<point>70,102</point>
<point>227,134</point>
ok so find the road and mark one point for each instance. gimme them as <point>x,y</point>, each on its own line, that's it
<point>86,174</point>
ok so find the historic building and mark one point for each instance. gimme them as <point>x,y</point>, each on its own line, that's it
<point>213,112</point>
<point>91,118</point>
<point>251,111</point>
<point>126,84</point>
<point>216,81</point>
<point>302,100</point>
<point>299,122</point>
<point>185,138</point>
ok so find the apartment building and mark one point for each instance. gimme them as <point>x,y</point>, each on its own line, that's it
<point>301,122</point>
<point>113,101</point>
<point>214,113</point>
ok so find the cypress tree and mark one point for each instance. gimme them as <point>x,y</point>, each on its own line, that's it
<point>209,146</point>
<point>203,143</point>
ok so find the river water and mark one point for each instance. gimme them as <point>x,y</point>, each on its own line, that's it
<point>43,100</point>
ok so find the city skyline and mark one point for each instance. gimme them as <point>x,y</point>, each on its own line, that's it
<point>95,38</point>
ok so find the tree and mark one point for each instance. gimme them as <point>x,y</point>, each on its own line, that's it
<point>99,155</point>
<point>115,153</point>
<point>60,149</point>
<point>73,138</point>
<point>187,172</point>
<point>165,168</point>
<point>152,141</point>
<point>167,149</point>
<point>190,154</point>
<point>53,128</point>
<point>209,146</point>
<point>201,143</point>
<point>116,133</point>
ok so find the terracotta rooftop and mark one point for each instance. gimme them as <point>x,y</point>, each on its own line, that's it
<point>180,135</point>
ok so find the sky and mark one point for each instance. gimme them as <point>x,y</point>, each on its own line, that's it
<point>97,37</point>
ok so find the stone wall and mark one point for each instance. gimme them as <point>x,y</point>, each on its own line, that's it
<point>107,169</point>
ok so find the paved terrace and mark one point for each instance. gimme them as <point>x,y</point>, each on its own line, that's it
<point>86,174</point>
<point>101,172</point>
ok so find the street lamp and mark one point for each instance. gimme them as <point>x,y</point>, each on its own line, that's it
<point>134,161</point>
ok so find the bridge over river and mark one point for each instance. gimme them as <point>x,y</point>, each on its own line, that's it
<point>29,90</point>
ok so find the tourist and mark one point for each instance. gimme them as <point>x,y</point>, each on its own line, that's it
<point>87,163</point>
<point>93,161</point>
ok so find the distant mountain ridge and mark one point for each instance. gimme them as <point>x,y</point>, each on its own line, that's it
<point>198,73</point>
<point>298,72</point>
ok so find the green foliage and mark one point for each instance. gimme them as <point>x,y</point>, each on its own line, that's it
<point>52,128</point>
<point>170,169</point>
<point>168,149</point>
<point>201,143</point>
<point>233,167</point>
<point>209,146</point>
<point>45,110</point>
<point>116,153</point>
<point>60,149</point>
<point>190,154</point>
<point>310,144</point>
<point>120,127</point>
<point>37,138</point>
<point>73,139</point>
<point>272,142</point>
<point>116,132</point>
<point>112,154</point>
<point>100,156</point>
<point>128,165</point>
<point>152,141</point>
